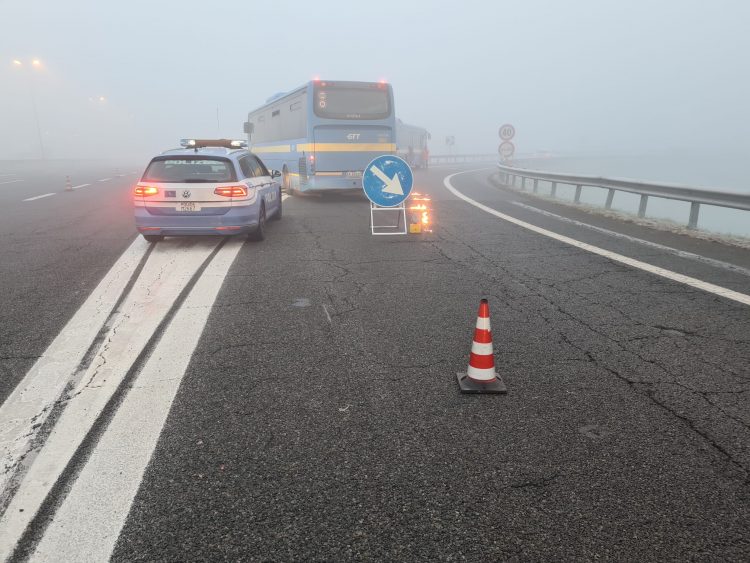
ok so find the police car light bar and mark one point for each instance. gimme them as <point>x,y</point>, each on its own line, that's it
<point>201,143</point>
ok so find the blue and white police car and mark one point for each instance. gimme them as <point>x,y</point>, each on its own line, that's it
<point>208,187</point>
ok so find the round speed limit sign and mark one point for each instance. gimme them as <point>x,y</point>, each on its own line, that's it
<point>506,149</point>
<point>507,132</point>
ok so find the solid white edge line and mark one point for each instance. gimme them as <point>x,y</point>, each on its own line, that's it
<point>79,186</point>
<point>669,249</point>
<point>11,181</point>
<point>633,263</point>
<point>104,179</point>
<point>38,197</point>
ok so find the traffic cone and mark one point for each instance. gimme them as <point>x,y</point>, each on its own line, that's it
<point>481,376</point>
<point>68,185</point>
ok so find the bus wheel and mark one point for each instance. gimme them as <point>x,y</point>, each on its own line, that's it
<point>286,181</point>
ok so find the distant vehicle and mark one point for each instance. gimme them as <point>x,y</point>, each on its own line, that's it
<point>411,144</point>
<point>323,134</point>
<point>208,187</point>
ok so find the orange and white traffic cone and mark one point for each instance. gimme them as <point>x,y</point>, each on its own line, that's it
<point>481,376</point>
<point>68,185</point>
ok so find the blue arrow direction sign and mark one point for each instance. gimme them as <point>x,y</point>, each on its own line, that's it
<point>387,181</point>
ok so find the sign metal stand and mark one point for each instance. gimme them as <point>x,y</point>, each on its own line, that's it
<point>400,223</point>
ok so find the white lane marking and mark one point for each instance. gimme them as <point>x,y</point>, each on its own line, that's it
<point>328,315</point>
<point>79,186</point>
<point>10,181</point>
<point>168,269</point>
<point>38,197</point>
<point>104,179</point>
<point>669,249</point>
<point>28,406</point>
<point>84,528</point>
<point>674,276</point>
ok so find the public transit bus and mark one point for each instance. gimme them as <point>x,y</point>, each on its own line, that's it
<point>411,144</point>
<point>322,135</point>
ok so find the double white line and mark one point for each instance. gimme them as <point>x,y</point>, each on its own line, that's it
<point>79,429</point>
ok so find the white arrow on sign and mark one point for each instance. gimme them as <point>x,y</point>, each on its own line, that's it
<point>392,185</point>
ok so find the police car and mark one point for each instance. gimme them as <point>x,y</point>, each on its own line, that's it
<point>208,187</point>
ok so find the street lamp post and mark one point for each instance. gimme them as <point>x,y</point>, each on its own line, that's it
<point>36,63</point>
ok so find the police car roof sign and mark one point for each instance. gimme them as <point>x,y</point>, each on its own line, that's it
<point>387,181</point>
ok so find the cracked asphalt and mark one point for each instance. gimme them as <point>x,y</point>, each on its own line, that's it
<point>320,418</point>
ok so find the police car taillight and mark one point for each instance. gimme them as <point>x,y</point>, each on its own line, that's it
<point>231,191</point>
<point>145,191</point>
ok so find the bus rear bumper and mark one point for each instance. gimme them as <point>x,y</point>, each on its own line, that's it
<point>323,184</point>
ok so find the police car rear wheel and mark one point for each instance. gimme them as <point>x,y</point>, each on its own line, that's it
<point>260,231</point>
<point>153,238</point>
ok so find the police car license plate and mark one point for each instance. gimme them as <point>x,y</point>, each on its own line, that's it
<point>188,206</point>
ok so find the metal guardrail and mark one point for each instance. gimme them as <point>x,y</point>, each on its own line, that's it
<point>696,196</point>
<point>458,158</point>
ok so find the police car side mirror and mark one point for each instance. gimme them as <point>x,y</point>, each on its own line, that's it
<point>275,174</point>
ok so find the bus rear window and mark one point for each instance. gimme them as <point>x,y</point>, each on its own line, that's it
<point>340,102</point>
<point>197,170</point>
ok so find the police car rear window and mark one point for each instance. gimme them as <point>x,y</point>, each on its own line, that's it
<point>189,170</point>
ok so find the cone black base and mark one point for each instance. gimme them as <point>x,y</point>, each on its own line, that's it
<point>467,385</point>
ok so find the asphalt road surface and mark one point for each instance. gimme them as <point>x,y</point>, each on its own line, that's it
<point>296,399</point>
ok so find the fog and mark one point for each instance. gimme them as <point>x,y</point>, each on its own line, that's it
<point>127,79</point>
